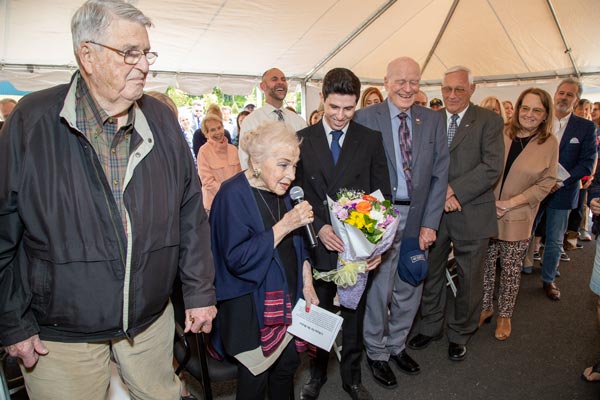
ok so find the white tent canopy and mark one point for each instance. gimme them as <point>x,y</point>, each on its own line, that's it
<point>229,43</point>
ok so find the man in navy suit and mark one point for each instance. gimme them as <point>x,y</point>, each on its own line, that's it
<point>338,153</point>
<point>391,302</point>
<point>577,154</point>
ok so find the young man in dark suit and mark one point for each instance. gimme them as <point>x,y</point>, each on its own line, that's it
<point>338,153</point>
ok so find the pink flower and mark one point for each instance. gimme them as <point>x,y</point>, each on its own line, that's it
<point>342,214</point>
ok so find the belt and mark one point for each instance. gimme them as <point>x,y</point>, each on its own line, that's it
<point>402,203</point>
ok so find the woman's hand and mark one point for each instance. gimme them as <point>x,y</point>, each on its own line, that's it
<point>308,290</point>
<point>502,207</point>
<point>310,296</point>
<point>301,215</point>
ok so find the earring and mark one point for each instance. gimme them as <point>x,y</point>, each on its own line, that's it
<point>256,172</point>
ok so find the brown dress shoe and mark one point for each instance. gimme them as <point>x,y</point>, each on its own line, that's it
<point>502,328</point>
<point>552,291</point>
<point>485,317</point>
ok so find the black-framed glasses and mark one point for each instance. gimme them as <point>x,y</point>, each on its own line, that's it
<point>130,56</point>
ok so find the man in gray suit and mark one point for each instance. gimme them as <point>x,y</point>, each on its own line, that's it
<point>419,191</point>
<point>476,161</point>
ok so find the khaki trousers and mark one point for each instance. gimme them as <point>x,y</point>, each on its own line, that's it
<point>81,370</point>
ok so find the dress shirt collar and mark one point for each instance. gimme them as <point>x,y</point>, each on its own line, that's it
<point>328,129</point>
<point>394,111</point>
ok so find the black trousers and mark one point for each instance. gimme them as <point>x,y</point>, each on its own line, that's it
<point>352,337</point>
<point>277,381</point>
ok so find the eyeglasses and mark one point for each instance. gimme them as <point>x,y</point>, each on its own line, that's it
<point>535,111</point>
<point>459,91</point>
<point>130,56</point>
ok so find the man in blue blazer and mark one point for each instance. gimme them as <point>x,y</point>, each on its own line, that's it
<point>577,154</point>
<point>338,153</point>
<point>391,302</point>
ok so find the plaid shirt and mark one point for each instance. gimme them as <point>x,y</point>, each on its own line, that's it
<point>110,142</point>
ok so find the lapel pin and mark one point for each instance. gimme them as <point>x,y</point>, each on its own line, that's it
<point>418,121</point>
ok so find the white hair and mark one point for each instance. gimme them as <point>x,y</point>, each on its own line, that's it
<point>93,18</point>
<point>458,68</point>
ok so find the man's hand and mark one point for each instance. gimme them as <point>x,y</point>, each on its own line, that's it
<point>555,188</point>
<point>373,263</point>
<point>595,205</point>
<point>452,203</point>
<point>331,241</point>
<point>426,237</point>
<point>29,350</point>
<point>199,319</point>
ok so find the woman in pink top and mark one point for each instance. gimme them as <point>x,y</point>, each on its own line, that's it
<point>217,159</point>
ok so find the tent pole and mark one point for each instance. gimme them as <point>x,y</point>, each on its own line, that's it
<point>440,35</point>
<point>350,38</point>
<point>568,49</point>
<point>303,95</point>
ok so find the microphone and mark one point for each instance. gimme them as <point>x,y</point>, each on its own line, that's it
<point>297,195</point>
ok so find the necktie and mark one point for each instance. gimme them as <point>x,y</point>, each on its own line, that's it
<point>405,149</point>
<point>335,145</point>
<point>279,115</point>
<point>452,128</point>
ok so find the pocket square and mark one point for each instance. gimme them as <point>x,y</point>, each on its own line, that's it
<point>574,141</point>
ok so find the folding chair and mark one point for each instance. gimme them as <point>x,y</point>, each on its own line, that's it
<point>451,273</point>
<point>11,380</point>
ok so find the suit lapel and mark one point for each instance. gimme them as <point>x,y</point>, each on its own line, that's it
<point>464,128</point>
<point>319,147</point>
<point>567,134</point>
<point>384,125</point>
<point>417,135</point>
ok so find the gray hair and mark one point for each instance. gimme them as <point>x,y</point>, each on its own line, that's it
<point>93,18</point>
<point>458,68</point>
<point>260,142</point>
<point>574,82</point>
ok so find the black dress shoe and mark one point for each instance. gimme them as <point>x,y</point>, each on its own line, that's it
<point>382,373</point>
<point>357,392</point>
<point>457,351</point>
<point>312,388</point>
<point>406,363</point>
<point>421,341</point>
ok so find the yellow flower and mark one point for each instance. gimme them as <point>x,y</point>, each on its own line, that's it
<point>356,219</point>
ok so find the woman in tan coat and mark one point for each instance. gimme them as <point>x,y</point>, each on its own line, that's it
<point>217,159</point>
<point>530,168</point>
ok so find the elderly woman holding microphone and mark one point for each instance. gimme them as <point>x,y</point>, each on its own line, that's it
<point>261,264</point>
<point>530,168</point>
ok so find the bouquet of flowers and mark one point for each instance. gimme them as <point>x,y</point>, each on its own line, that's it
<point>367,224</point>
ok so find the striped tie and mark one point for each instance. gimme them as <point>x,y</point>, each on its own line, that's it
<point>405,149</point>
<point>279,115</point>
<point>452,128</point>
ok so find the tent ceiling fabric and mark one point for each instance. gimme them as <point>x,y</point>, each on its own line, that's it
<point>230,43</point>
